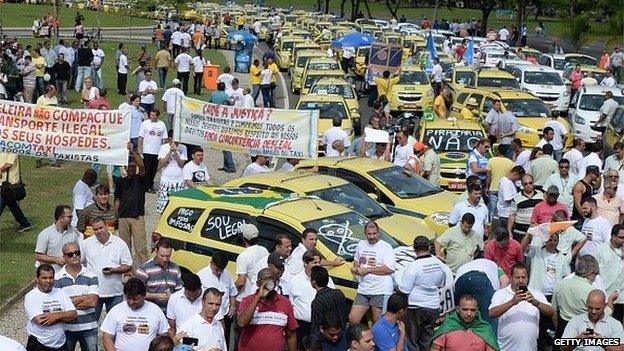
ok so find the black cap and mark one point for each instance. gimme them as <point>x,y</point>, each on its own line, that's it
<point>276,259</point>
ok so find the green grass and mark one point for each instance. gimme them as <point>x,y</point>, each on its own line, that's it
<point>23,15</point>
<point>48,187</point>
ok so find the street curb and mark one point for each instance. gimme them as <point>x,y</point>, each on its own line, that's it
<point>9,303</point>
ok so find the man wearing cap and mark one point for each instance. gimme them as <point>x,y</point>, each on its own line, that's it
<point>543,211</point>
<point>467,111</point>
<point>414,164</point>
<point>171,100</point>
<point>249,262</point>
<point>430,161</point>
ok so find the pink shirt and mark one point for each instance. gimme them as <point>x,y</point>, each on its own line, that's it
<point>543,212</point>
<point>461,340</point>
<point>505,257</point>
<point>576,78</point>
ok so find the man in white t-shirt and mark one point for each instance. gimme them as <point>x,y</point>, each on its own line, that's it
<point>176,42</point>
<point>185,40</point>
<point>48,309</point>
<point>226,78</point>
<point>422,280</point>
<point>249,262</point>
<point>506,192</point>
<point>518,309</point>
<point>236,93</point>
<point>195,172</point>
<point>503,34</point>
<point>147,89</point>
<point>83,194</point>
<point>257,25</point>
<point>559,136</point>
<point>258,166</point>
<point>521,155</point>
<point>96,65</point>
<point>373,265</point>
<point>596,228</point>
<point>183,62</point>
<point>10,344</point>
<point>152,134</point>
<point>171,160</point>
<point>198,72</point>
<point>171,101</point>
<point>403,150</point>
<point>204,326</point>
<point>335,133</point>
<point>184,303</point>
<point>133,324</point>
<point>122,71</point>
<point>217,276</point>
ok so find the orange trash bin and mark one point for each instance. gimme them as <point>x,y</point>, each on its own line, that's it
<point>211,72</point>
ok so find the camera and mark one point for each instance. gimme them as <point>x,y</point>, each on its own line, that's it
<point>589,331</point>
<point>522,288</point>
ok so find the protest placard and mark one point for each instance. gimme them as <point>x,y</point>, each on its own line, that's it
<point>385,57</point>
<point>98,136</point>
<point>256,131</point>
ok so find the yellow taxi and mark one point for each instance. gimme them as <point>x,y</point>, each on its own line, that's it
<point>531,112</point>
<point>401,192</point>
<point>411,43</point>
<point>340,87</point>
<point>312,75</point>
<point>284,49</point>
<point>300,60</point>
<point>339,191</point>
<point>614,131</point>
<point>413,92</point>
<point>493,78</point>
<point>453,140</point>
<point>457,78</point>
<point>201,221</point>
<point>306,45</point>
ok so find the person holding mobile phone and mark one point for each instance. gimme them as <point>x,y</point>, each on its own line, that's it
<point>203,330</point>
<point>518,310</point>
<point>595,323</point>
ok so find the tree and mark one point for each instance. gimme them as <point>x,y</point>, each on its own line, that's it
<point>577,31</point>
<point>393,7</point>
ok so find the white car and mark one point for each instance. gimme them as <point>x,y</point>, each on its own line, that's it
<point>491,57</point>
<point>543,82</point>
<point>561,61</point>
<point>585,110</point>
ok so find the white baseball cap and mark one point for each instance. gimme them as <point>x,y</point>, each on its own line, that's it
<point>249,231</point>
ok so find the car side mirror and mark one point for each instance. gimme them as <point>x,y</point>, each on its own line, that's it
<point>373,196</point>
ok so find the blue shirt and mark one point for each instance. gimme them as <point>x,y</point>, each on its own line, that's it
<point>340,345</point>
<point>386,335</point>
<point>219,97</point>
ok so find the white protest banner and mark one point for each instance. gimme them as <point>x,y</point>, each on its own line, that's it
<point>98,136</point>
<point>256,131</point>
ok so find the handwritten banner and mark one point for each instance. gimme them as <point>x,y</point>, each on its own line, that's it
<point>97,136</point>
<point>256,131</point>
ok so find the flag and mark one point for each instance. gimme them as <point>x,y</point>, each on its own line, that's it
<point>431,47</point>
<point>469,53</point>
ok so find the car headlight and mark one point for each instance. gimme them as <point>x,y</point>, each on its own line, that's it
<point>579,120</point>
<point>430,92</point>
<point>440,218</point>
<point>526,130</point>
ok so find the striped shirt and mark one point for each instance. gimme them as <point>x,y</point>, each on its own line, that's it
<point>85,283</point>
<point>522,206</point>
<point>329,300</point>
<point>159,280</point>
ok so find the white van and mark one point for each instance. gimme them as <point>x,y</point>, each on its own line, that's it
<point>585,110</point>
<point>543,82</point>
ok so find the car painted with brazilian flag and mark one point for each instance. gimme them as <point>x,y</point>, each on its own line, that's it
<point>201,221</point>
<point>452,140</point>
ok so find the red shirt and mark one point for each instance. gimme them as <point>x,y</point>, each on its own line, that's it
<point>464,340</point>
<point>505,257</point>
<point>576,77</point>
<point>100,103</point>
<point>268,324</point>
<point>543,212</point>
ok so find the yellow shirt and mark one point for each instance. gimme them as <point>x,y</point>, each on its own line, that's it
<point>467,114</point>
<point>273,67</point>
<point>254,73</point>
<point>163,58</point>
<point>384,85</point>
<point>439,107</point>
<point>13,172</point>
<point>498,167</point>
<point>39,63</point>
<point>240,20</point>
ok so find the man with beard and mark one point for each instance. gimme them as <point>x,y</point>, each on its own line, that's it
<point>133,324</point>
<point>465,326</point>
<point>48,309</point>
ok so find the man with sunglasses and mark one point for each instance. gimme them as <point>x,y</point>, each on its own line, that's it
<point>81,285</point>
<point>616,161</point>
<point>49,248</point>
<point>522,207</point>
<point>564,181</point>
<point>610,204</point>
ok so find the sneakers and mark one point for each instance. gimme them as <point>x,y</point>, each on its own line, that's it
<point>23,229</point>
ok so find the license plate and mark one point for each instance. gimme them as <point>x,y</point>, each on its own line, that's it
<point>409,106</point>
<point>456,186</point>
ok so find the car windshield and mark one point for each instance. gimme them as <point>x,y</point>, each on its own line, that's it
<point>560,64</point>
<point>447,66</point>
<point>449,140</point>
<point>404,185</point>
<point>288,45</point>
<point>463,77</point>
<point>341,233</point>
<point>527,107</point>
<point>311,78</point>
<point>413,77</point>
<point>301,61</point>
<point>341,89</point>
<point>503,83</point>
<point>582,60</point>
<point>327,109</point>
<point>594,102</point>
<point>352,197</point>
<point>543,78</point>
